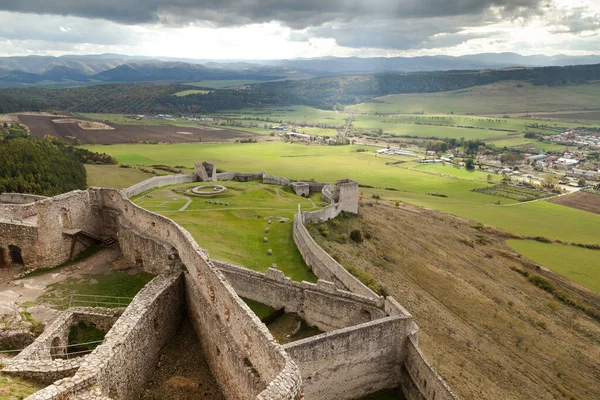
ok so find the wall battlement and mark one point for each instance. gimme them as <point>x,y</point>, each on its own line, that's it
<point>364,332</point>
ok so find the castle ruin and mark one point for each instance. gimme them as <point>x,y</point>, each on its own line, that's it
<point>370,342</point>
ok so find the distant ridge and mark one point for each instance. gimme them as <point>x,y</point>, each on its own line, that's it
<point>100,68</point>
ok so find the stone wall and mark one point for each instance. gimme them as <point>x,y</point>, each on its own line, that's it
<point>275,180</point>
<point>21,234</point>
<point>39,361</point>
<point>426,383</point>
<point>326,194</point>
<point>240,350</point>
<point>321,304</point>
<point>19,198</point>
<point>157,181</point>
<point>352,362</point>
<point>121,366</point>
<point>17,211</point>
<point>323,265</point>
<point>240,177</point>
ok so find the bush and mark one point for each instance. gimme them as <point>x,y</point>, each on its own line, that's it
<point>368,235</point>
<point>520,271</point>
<point>356,236</point>
<point>342,238</point>
<point>542,283</point>
<point>366,278</point>
<point>376,196</point>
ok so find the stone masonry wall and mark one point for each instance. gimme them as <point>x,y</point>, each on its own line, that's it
<point>38,360</point>
<point>19,234</point>
<point>352,362</point>
<point>323,265</point>
<point>121,366</point>
<point>241,352</point>
<point>20,198</point>
<point>156,182</point>
<point>275,180</point>
<point>429,385</point>
<point>17,211</point>
<point>321,304</point>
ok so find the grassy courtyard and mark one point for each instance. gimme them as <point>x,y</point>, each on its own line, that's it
<point>235,232</point>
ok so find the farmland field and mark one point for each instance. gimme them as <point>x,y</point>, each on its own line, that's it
<point>498,98</point>
<point>43,125</point>
<point>220,84</point>
<point>581,265</point>
<point>235,232</point>
<point>192,91</point>
<point>581,201</point>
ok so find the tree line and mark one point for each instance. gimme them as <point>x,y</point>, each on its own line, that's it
<point>324,93</point>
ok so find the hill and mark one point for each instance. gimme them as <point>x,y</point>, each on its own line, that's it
<point>486,328</point>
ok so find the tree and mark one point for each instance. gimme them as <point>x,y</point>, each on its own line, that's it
<point>581,182</point>
<point>549,181</point>
<point>470,164</point>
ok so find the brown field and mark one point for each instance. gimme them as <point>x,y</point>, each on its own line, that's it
<point>84,124</point>
<point>581,200</point>
<point>484,327</point>
<point>40,125</point>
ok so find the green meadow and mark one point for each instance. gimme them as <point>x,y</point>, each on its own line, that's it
<point>235,232</point>
<point>192,91</point>
<point>581,265</point>
<point>412,185</point>
<point>497,99</point>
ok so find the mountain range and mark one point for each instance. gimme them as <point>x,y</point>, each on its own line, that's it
<point>77,70</point>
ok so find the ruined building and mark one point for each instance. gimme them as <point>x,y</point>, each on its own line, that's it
<point>370,342</point>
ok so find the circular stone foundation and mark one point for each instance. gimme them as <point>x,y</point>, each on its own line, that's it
<point>209,189</point>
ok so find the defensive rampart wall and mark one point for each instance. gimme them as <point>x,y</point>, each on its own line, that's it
<point>243,355</point>
<point>275,180</point>
<point>46,360</point>
<point>239,176</point>
<point>19,198</point>
<point>321,304</point>
<point>156,182</point>
<point>352,362</point>
<point>323,265</point>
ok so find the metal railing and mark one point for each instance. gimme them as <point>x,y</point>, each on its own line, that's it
<point>92,300</point>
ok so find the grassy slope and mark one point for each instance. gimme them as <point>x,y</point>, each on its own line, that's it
<point>489,331</point>
<point>579,264</point>
<point>235,233</point>
<point>499,98</point>
<point>14,388</point>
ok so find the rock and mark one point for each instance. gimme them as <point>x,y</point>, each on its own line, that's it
<point>270,252</point>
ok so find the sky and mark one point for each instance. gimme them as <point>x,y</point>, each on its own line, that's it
<point>282,29</point>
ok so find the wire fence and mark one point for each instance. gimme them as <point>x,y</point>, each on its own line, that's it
<point>92,300</point>
<point>82,300</point>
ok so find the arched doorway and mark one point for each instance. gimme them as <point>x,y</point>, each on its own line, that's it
<point>15,254</point>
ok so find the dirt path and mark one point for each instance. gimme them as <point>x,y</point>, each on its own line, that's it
<point>530,201</point>
<point>188,202</point>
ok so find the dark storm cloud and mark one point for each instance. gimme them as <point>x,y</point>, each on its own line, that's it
<point>293,13</point>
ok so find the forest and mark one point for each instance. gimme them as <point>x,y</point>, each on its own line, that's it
<point>324,93</point>
<point>43,166</point>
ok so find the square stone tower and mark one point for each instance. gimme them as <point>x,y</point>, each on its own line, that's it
<point>205,171</point>
<point>345,192</point>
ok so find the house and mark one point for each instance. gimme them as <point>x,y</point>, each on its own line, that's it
<point>538,158</point>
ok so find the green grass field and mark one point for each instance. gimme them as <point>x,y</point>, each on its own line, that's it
<point>235,233</point>
<point>581,265</point>
<point>220,84</point>
<point>113,176</point>
<point>498,98</point>
<point>192,91</point>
